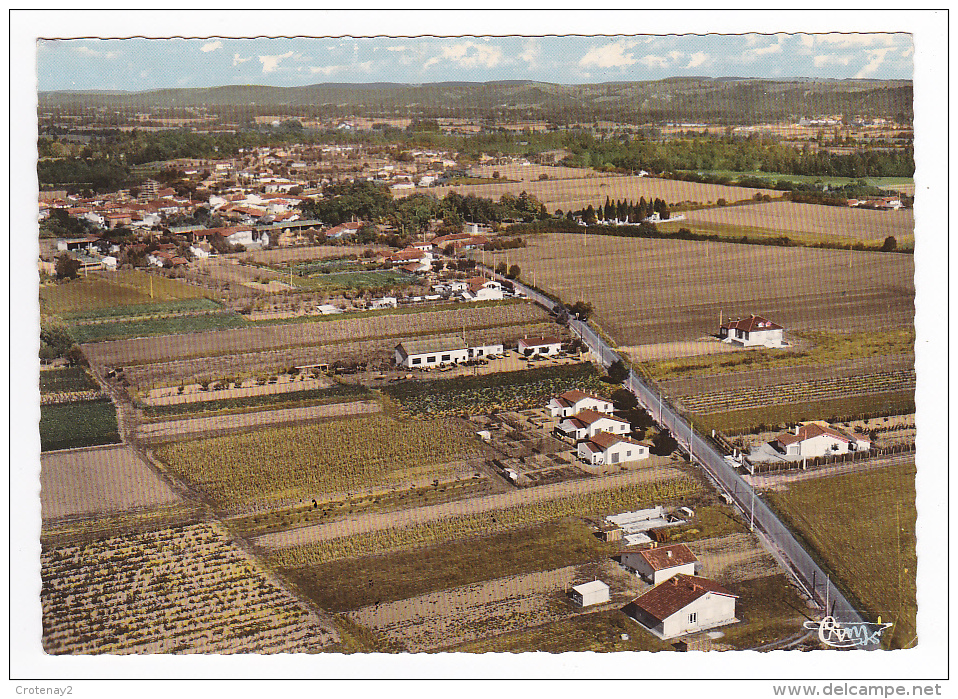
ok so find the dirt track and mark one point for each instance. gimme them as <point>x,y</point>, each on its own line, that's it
<point>351,526</point>
<point>176,429</point>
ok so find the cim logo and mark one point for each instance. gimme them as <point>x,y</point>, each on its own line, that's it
<point>833,633</point>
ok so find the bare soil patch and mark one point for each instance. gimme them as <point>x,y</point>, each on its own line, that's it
<point>108,479</point>
<point>786,217</point>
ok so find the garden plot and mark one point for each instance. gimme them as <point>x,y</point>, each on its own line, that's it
<point>179,590</point>
<point>459,615</point>
<point>107,479</point>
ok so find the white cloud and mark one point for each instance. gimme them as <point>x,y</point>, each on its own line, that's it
<point>654,61</point>
<point>847,41</point>
<point>365,67</point>
<point>767,50</point>
<point>87,51</point>
<point>875,59</point>
<point>610,56</point>
<point>831,59</point>
<point>397,48</point>
<point>531,53</point>
<point>675,55</point>
<point>469,54</point>
<point>211,46</point>
<point>271,63</point>
<point>698,58</point>
<point>808,41</point>
<point>237,60</point>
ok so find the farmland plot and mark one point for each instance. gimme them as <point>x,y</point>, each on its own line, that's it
<point>78,424</point>
<point>674,290</point>
<point>317,252</point>
<point>275,336</point>
<point>103,290</point>
<point>180,590</point>
<point>90,481</point>
<point>786,217</point>
<point>315,461</point>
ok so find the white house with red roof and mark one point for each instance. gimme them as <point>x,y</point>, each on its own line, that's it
<point>818,438</point>
<point>574,401</point>
<point>683,604</point>
<point>753,331</point>
<point>606,448</point>
<point>482,289</point>
<point>588,423</point>
<point>540,346</point>
<point>660,563</point>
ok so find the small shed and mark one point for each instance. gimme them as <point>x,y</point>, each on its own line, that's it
<point>610,532</point>
<point>587,594</point>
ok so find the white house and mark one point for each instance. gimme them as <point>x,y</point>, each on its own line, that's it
<point>574,401</point>
<point>109,262</point>
<point>605,448</point>
<point>588,423</point>
<point>434,352</point>
<point>752,332</point>
<point>542,346</point>
<point>481,289</point>
<point>683,604</point>
<point>587,594</point>
<point>384,302</point>
<point>659,564</point>
<point>817,438</point>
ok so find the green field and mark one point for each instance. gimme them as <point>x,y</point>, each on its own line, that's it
<point>102,290</point>
<point>340,393</point>
<point>831,410</point>
<point>512,390</point>
<point>124,330</point>
<point>455,528</point>
<point>862,527</point>
<point>314,460</point>
<point>75,425</point>
<point>336,586</point>
<point>194,305</point>
<point>67,380</point>
<point>353,279</point>
<point>831,181</point>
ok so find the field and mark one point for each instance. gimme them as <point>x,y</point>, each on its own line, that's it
<point>182,590</point>
<point>316,461</point>
<point>98,480</point>
<point>902,184</point>
<point>355,279</point>
<point>68,380</point>
<point>316,252</point>
<point>573,193</point>
<point>170,325</point>
<point>81,424</point>
<point>672,290</point>
<point>106,290</point>
<point>862,525</point>
<point>811,221</point>
<point>516,390</point>
<point>138,311</point>
<point>454,563</point>
<point>340,329</point>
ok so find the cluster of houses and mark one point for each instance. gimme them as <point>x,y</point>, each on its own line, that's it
<point>892,203</point>
<point>600,437</point>
<point>679,602</point>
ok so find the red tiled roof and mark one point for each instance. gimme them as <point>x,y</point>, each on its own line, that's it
<point>663,557</point>
<point>574,396</point>
<point>604,440</point>
<point>751,324</point>
<point>587,417</point>
<point>811,430</point>
<point>676,593</point>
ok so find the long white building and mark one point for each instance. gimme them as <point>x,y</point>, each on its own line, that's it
<point>430,352</point>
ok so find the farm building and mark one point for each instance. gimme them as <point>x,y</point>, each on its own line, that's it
<point>681,605</point>
<point>384,302</point>
<point>660,563</point>
<point>439,351</point>
<point>574,401</point>
<point>818,438</point>
<point>481,289</point>
<point>605,448</point>
<point>753,331</point>
<point>588,423</point>
<point>636,525</point>
<point>587,594</point>
<point>543,346</point>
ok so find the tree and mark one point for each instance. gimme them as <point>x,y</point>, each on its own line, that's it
<point>514,272</point>
<point>501,268</point>
<point>590,217</point>
<point>496,175</point>
<point>663,444</point>
<point>582,310</point>
<point>889,244</point>
<point>67,267</point>
<point>618,371</point>
<point>624,399</point>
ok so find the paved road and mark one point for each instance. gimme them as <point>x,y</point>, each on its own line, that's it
<point>363,523</point>
<point>221,423</point>
<point>782,542</point>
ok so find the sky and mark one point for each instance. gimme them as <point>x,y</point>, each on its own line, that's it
<point>144,64</point>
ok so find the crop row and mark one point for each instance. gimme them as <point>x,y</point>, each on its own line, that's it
<point>65,380</point>
<point>800,392</point>
<point>187,589</point>
<point>198,305</point>
<point>604,502</point>
<point>81,424</point>
<point>514,390</point>
<point>170,325</point>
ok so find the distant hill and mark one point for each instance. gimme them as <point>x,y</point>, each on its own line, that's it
<point>720,100</point>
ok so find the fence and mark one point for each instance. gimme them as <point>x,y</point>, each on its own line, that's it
<point>819,461</point>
